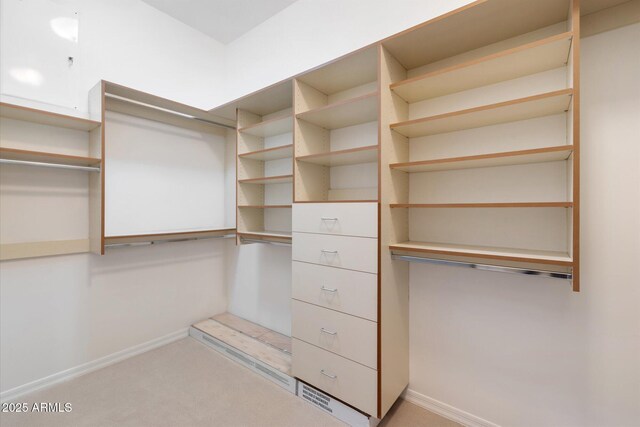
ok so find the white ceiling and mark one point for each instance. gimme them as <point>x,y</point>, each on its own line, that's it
<point>224,20</point>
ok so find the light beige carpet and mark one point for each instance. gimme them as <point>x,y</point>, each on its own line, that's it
<point>187,384</point>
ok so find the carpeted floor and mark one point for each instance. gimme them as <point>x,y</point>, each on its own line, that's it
<point>187,384</point>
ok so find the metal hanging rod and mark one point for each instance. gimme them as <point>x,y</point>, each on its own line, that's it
<point>164,110</point>
<point>268,242</point>
<point>159,241</point>
<point>486,267</point>
<point>50,165</point>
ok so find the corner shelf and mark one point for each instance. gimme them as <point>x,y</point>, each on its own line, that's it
<point>351,156</point>
<point>270,127</point>
<point>41,156</point>
<point>503,254</point>
<point>274,153</point>
<point>279,179</point>
<point>353,111</point>
<point>535,57</point>
<point>18,112</point>
<point>520,157</point>
<point>485,205</point>
<point>530,107</point>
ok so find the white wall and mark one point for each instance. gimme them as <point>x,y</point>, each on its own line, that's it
<point>58,313</point>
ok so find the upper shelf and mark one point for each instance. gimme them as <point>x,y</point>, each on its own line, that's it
<point>351,156</point>
<point>473,26</point>
<point>40,156</point>
<point>272,127</point>
<point>43,117</point>
<point>361,109</point>
<point>509,111</point>
<point>280,179</point>
<point>531,58</point>
<point>504,254</point>
<point>274,153</point>
<point>521,157</point>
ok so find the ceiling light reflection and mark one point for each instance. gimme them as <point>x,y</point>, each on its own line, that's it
<point>67,28</point>
<point>27,76</point>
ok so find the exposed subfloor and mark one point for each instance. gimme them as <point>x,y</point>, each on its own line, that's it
<point>259,342</point>
<point>187,384</point>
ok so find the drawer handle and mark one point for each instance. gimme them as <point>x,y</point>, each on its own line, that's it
<point>327,251</point>
<point>333,377</point>
<point>326,331</point>
<point>324,288</point>
<point>325,218</point>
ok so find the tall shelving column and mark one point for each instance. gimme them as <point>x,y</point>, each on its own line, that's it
<point>264,171</point>
<point>483,149</point>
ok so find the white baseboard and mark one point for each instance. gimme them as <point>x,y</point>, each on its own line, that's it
<point>444,410</point>
<point>94,365</point>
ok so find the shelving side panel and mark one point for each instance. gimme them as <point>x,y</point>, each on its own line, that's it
<point>307,97</point>
<point>97,111</point>
<point>574,14</point>
<point>393,277</point>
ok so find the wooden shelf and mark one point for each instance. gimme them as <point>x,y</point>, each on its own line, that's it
<point>531,58</point>
<point>509,111</point>
<point>41,156</point>
<point>521,157</point>
<point>274,153</point>
<point>271,127</point>
<point>280,179</point>
<point>351,156</point>
<point>504,254</point>
<point>180,235</point>
<point>361,109</point>
<point>43,117</point>
<point>471,27</point>
<point>265,206</point>
<point>485,205</point>
<point>269,235</point>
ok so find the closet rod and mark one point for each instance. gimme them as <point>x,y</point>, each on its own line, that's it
<point>268,242</point>
<point>164,110</point>
<point>50,165</point>
<point>486,267</point>
<point>155,242</point>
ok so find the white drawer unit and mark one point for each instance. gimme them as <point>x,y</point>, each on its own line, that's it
<point>344,379</point>
<point>353,253</point>
<point>347,219</point>
<point>347,291</point>
<point>345,335</point>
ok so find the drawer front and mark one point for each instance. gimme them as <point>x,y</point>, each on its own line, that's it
<point>348,381</point>
<point>345,335</point>
<point>354,253</point>
<point>347,291</point>
<point>349,219</point>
